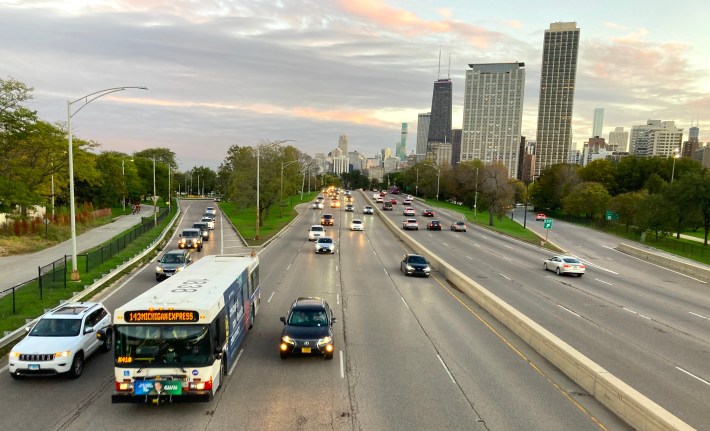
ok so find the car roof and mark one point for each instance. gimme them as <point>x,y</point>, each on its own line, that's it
<point>309,302</point>
<point>357,220</point>
<point>176,251</point>
<point>72,310</point>
<point>317,225</point>
<point>327,215</point>
<point>190,229</point>
<point>411,219</point>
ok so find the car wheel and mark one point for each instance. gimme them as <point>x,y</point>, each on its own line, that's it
<point>108,342</point>
<point>283,355</point>
<point>77,366</point>
<point>329,356</point>
<point>15,376</point>
<point>558,271</point>
<point>579,275</point>
<point>544,265</point>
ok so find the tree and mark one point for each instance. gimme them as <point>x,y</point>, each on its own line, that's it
<point>553,185</point>
<point>496,189</point>
<point>683,201</point>
<point>588,198</point>
<point>600,171</point>
<point>627,206</point>
<point>165,156</point>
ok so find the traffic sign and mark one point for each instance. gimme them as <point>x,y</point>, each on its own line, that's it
<point>547,224</point>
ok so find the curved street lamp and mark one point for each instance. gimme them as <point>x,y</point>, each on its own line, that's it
<point>86,100</point>
<point>676,154</point>
<point>438,177</point>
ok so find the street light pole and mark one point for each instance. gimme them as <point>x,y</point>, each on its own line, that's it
<point>475,198</point>
<point>86,100</point>
<point>416,185</point>
<point>155,198</point>
<point>675,156</point>
<point>281,189</point>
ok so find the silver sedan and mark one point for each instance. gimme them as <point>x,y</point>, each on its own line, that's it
<point>564,265</point>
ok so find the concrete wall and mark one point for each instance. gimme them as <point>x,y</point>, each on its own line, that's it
<point>697,271</point>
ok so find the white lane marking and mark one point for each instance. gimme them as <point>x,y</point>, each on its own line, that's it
<point>337,298</point>
<point>693,375</point>
<point>342,365</point>
<point>477,245</point>
<point>235,362</point>
<point>658,266</point>
<point>568,310</point>
<point>288,267</point>
<point>445,244</point>
<point>385,271</point>
<point>447,369</point>
<point>506,258</point>
<point>469,257</point>
<point>699,315</point>
<point>483,236</point>
<point>405,303</point>
<point>336,268</point>
<point>636,313</point>
<point>271,296</point>
<point>504,276</point>
<point>508,246</point>
<point>605,282</point>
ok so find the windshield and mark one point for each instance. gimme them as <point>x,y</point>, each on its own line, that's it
<point>56,328</point>
<point>308,318</point>
<point>190,233</point>
<point>163,345</point>
<point>324,240</point>
<point>416,259</point>
<point>172,258</point>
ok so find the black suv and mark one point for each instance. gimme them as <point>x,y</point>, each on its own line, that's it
<point>308,329</point>
<point>204,229</point>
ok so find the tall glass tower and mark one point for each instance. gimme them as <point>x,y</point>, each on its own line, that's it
<point>440,117</point>
<point>557,82</point>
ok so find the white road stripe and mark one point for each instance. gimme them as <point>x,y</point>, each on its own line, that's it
<point>447,369</point>
<point>508,246</point>
<point>288,267</point>
<point>602,281</point>
<point>342,365</point>
<point>469,257</point>
<point>385,271</point>
<point>629,310</point>
<point>405,302</point>
<point>445,244</point>
<point>693,375</point>
<point>271,296</point>
<point>504,276</point>
<point>699,315</point>
<point>337,298</point>
<point>235,362</point>
<point>568,310</point>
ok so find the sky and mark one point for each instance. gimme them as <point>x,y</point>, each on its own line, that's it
<point>221,73</point>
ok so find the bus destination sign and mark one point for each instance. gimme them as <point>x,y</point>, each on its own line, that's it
<point>161,316</point>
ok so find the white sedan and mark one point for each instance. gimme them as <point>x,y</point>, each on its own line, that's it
<point>408,212</point>
<point>357,224</point>
<point>564,265</point>
<point>209,221</point>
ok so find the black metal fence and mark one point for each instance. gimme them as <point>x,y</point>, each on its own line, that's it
<point>55,274</point>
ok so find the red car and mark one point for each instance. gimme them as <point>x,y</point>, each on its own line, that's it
<point>540,217</point>
<point>393,201</point>
<point>428,213</point>
<point>433,225</point>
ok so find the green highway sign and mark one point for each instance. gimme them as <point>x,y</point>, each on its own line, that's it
<point>547,224</point>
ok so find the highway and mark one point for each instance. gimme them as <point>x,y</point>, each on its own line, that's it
<point>411,353</point>
<point>647,325</point>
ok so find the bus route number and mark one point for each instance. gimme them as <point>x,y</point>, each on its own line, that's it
<point>188,286</point>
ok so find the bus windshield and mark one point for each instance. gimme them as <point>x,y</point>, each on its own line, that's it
<point>163,345</point>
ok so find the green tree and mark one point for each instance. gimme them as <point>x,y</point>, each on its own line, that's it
<point>628,205</point>
<point>588,198</point>
<point>496,190</point>
<point>600,171</point>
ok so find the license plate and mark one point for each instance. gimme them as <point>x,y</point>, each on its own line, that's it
<point>305,350</point>
<point>33,367</point>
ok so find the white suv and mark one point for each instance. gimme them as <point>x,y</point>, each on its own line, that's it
<point>61,340</point>
<point>316,231</point>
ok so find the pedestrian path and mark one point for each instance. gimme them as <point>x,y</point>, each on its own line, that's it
<point>18,269</point>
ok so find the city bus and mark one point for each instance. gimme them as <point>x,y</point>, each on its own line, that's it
<point>178,340</point>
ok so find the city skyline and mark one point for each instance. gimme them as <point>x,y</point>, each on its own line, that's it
<point>238,74</point>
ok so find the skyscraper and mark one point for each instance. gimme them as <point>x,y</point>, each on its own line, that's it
<point>422,132</point>
<point>440,120</point>
<point>619,139</point>
<point>493,113</point>
<point>655,138</point>
<point>401,150</point>
<point>598,125</point>
<point>557,83</point>
<point>343,144</point>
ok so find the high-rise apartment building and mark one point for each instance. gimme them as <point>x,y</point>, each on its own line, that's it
<point>456,135</point>
<point>493,113</point>
<point>422,132</point>
<point>557,84</point>
<point>440,118</point>
<point>401,150</point>
<point>598,125</point>
<point>618,139</point>
<point>691,146</point>
<point>343,144</point>
<point>655,138</point>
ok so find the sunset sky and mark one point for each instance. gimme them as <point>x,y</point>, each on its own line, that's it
<point>223,73</point>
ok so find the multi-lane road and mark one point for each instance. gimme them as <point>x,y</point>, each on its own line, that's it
<point>414,353</point>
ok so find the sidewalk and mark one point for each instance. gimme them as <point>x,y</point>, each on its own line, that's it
<point>20,268</point>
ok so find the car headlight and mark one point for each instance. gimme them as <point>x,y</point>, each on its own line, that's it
<point>427,268</point>
<point>158,269</point>
<point>410,268</point>
<point>14,354</point>
<point>64,354</point>
<point>287,339</point>
<point>326,340</point>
